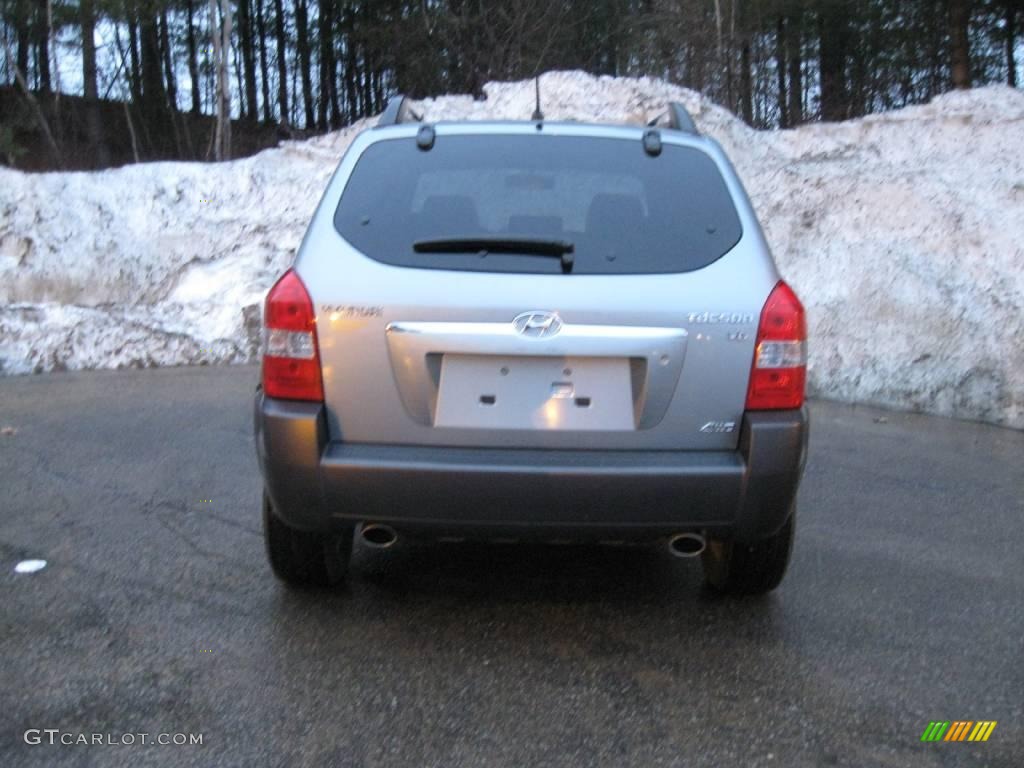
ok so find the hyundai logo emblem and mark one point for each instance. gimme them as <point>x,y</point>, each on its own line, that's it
<point>537,325</point>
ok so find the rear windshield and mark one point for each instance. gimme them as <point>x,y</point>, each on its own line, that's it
<point>622,210</point>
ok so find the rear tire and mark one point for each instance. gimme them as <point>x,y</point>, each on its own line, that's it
<point>735,568</point>
<point>305,558</point>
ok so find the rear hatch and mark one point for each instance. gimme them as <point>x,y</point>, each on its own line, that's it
<point>512,286</point>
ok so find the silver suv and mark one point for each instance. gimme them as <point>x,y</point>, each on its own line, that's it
<point>517,330</point>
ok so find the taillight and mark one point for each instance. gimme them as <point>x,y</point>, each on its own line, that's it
<point>291,359</point>
<point>778,375</point>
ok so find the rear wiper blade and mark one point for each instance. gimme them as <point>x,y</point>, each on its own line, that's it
<point>527,246</point>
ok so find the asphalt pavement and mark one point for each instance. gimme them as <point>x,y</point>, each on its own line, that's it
<point>157,614</point>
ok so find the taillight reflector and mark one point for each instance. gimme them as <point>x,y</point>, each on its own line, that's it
<point>778,374</point>
<point>291,358</point>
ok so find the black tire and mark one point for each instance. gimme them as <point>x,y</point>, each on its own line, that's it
<point>735,568</point>
<point>304,558</point>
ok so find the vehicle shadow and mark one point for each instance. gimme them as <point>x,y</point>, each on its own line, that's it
<point>534,589</point>
<point>527,573</point>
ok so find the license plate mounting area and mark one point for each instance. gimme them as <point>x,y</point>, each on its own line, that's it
<point>535,392</point>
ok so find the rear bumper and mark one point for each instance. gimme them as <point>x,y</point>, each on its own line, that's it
<point>318,485</point>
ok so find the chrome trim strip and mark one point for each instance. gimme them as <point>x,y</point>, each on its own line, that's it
<point>415,349</point>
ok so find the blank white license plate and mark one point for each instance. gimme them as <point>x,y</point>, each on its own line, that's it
<point>552,393</point>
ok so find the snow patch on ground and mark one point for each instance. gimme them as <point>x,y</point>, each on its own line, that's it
<point>903,233</point>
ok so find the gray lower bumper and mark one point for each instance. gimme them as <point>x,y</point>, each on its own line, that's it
<point>316,484</point>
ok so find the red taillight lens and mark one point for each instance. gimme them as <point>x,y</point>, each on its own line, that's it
<point>291,358</point>
<point>778,376</point>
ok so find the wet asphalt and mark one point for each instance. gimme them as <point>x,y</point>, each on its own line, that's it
<point>156,612</point>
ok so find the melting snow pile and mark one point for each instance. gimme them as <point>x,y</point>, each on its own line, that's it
<point>902,232</point>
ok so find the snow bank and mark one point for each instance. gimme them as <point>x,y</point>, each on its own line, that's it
<point>903,232</point>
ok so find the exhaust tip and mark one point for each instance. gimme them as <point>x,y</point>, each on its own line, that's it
<point>378,536</point>
<point>686,544</point>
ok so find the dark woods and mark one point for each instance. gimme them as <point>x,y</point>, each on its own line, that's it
<point>92,83</point>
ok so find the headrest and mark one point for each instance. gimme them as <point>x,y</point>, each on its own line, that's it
<point>610,212</point>
<point>541,226</point>
<point>451,214</point>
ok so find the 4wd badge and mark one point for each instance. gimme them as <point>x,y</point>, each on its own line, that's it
<point>718,426</point>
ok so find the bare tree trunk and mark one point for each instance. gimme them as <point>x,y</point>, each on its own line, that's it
<point>796,67</point>
<point>718,37</point>
<point>305,65</point>
<point>220,78</point>
<point>248,57</point>
<point>729,55</point>
<point>937,80</point>
<point>52,46</point>
<point>261,31</point>
<point>326,61</point>
<point>332,81</point>
<point>236,62</point>
<point>350,71</point>
<point>833,34</point>
<point>859,89</point>
<point>293,112</point>
<point>193,63</point>
<point>131,131</point>
<point>367,96</point>
<point>43,47</point>
<point>171,92</point>
<point>152,113</point>
<point>1011,42</point>
<point>282,64</point>
<point>153,87</point>
<point>959,20</point>
<point>220,33</point>
<point>225,48</point>
<point>746,83</point>
<point>87,17</point>
<point>135,81</point>
<point>22,33</point>
<point>165,44</point>
<point>780,70</point>
<point>40,117</point>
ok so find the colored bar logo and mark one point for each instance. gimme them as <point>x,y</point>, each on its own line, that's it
<point>958,730</point>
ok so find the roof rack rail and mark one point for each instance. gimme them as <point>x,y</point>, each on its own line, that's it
<point>398,111</point>
<point>678,119</point>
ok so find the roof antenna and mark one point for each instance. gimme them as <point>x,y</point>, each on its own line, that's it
<point>537,114</point>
